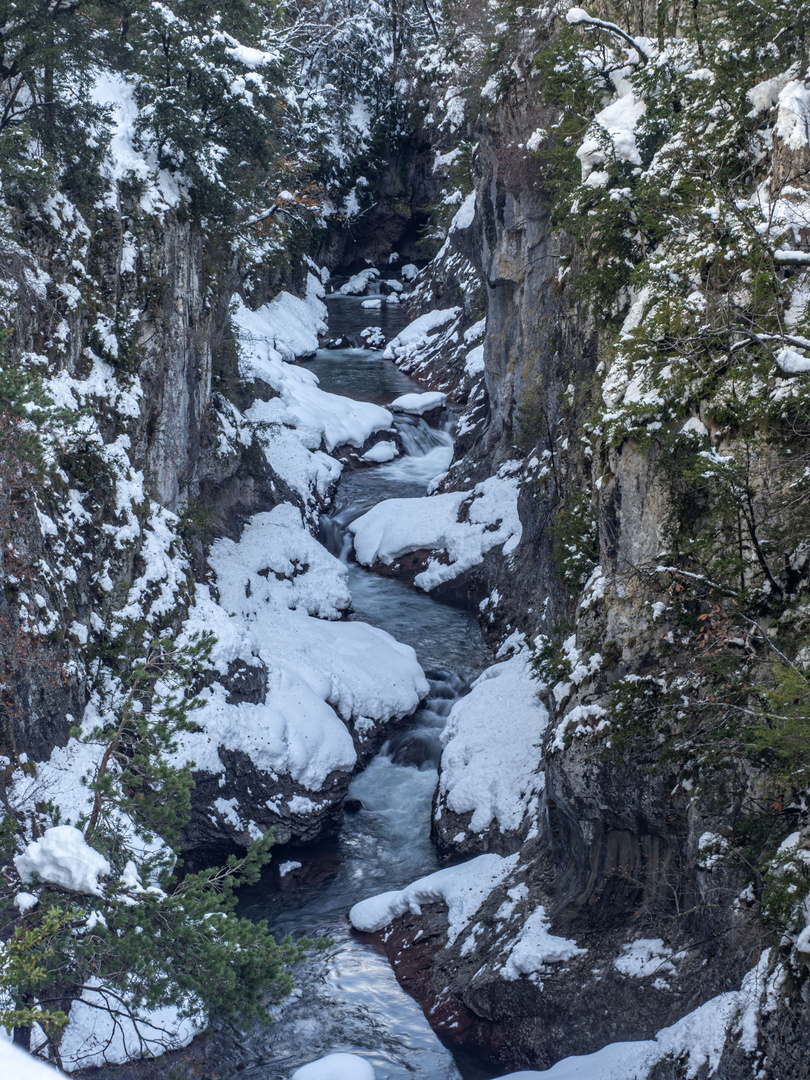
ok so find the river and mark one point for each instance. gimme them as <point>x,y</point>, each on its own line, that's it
<point>347,998</point>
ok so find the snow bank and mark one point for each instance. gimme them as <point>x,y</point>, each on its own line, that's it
<point>492,760</point>
<point>100,1030</point>
<point>699,1037</point>
<point>336,1067</point>
<point>418,404</point>
<point>395,527</point>
<point>416,334</point>
<point>279,562</point>
<point>288,324</point>
<point>462,888</point>
<point>321,675</point>
<point>17,1065</point>
<point>269,338</point>
<point>62,857</point>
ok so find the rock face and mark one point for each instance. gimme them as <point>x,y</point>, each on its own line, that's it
<point>615,851</point>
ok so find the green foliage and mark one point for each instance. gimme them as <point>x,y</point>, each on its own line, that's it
<point>786,886</point>
<point>144,705</point>
<point>575,533</point>
<point>152,938</point>
<point>30,956</point>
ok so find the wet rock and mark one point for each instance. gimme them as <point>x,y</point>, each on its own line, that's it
<point>412,750</point>
<point>352,806</point>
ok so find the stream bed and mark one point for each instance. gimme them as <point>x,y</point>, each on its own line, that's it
<point>347,998</point>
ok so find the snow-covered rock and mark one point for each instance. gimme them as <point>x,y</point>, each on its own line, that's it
<point>419,404</point>
<point>491,774</point>
<point>454,542</point>
<point>416,334</point>
<point>463,889</point>
<point>358,284</point>
<point>336,1067</point>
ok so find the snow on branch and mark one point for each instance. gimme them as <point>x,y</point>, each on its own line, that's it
<point>577,16</point>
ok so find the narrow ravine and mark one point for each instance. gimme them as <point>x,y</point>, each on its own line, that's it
<point>348,998</point>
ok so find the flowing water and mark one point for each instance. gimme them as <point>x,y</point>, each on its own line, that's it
<point>347,999</point>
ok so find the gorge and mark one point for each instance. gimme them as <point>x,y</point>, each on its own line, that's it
<point>404,516</point>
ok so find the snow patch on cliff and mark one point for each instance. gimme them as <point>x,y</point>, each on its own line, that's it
<point>492,760</point>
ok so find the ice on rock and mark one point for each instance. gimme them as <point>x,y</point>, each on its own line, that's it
<point>63,857</point>
<point>336,1067</point>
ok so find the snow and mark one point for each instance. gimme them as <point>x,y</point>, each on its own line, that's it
<point>474,364</point>
<point>618,120</point>
<point>358,285</point>
<point>15,1064</point>
<point>395,527</point>
<point>381,452</point>
<point>643,958</point>
<point>123,160</point>
<point>418,404</point>
<point>695,426</point>
<point>321,674</point>
<point>464,215</point>
<point>24,901</point>
<point>492,759</point>
<point>268,338</point>
<point>61,856</point>
<point>765,94</point>
<point>288,867</point>
<point>93,1036</point>
<point>792,362</point>
<point>416,334</point>
<point>336,1067</point>
<point>462,888</point>
<point>535,948</point>
<point>281,563</point>
<point>288,324</point>
<point>793,114</point>
<point>699,1037</point>
<point>409,272</point>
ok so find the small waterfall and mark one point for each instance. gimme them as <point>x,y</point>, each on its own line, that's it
<point>417,438</point>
